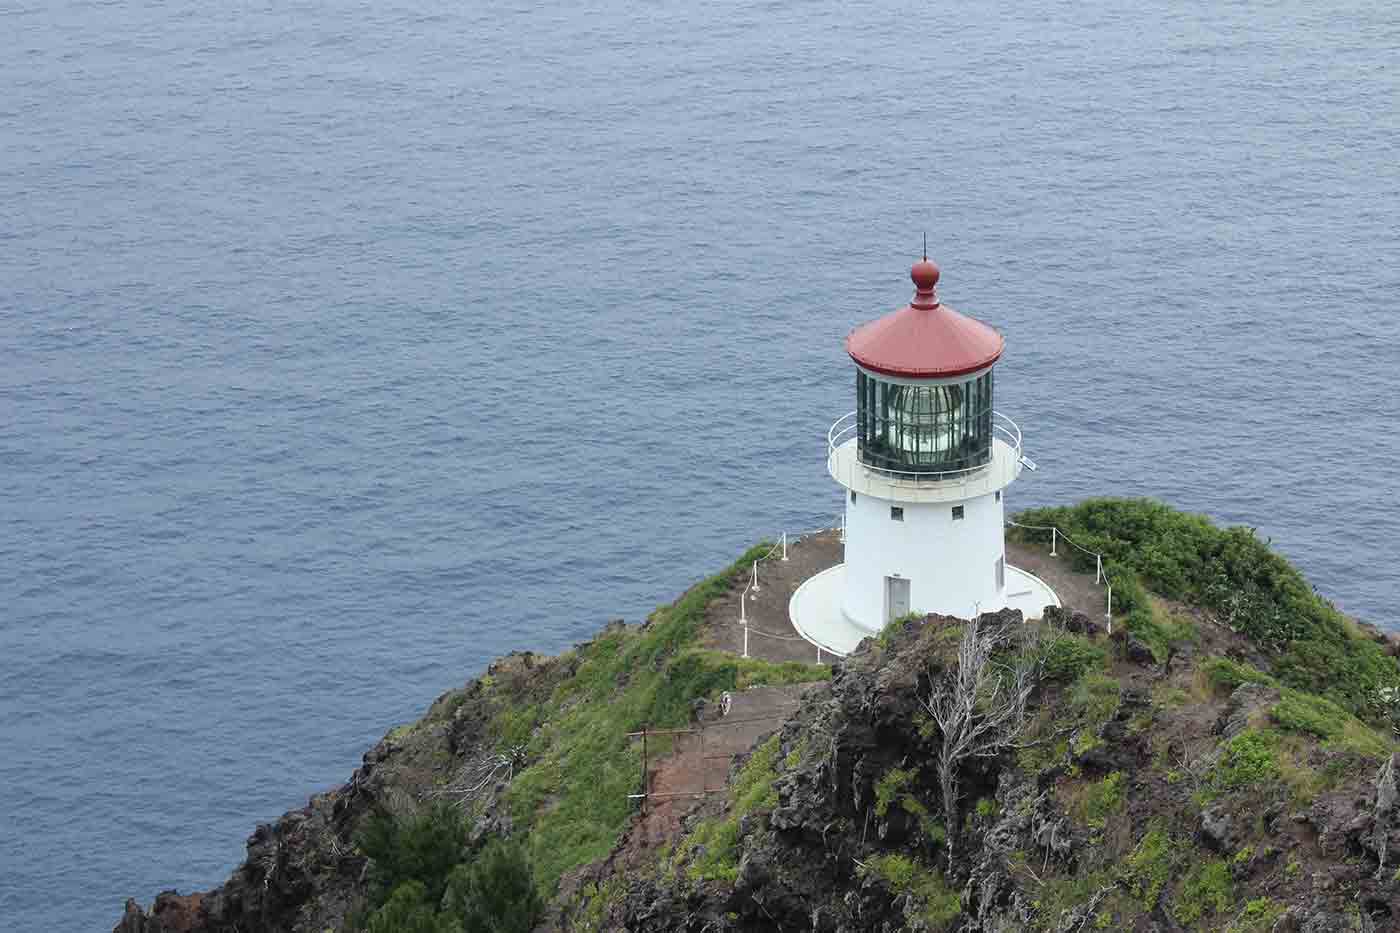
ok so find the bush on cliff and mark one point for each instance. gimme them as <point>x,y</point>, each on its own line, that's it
<point>424,880</point>
<point>1236,576</point>
<point>422,845</point>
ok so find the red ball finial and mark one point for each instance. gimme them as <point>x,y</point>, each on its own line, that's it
<point>925,276</point>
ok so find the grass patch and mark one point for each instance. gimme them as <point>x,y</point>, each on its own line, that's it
<point>711,851</point>
<point>1321,718</point>
<point>1065,657</point>
<point>571,799</point>
<point>1258,916</point>
<point>1206,891</point>
<point>1248,760</point>
<point>941,906</point>
<point>1102,800</point>
<point>1148,868</point>
<point>1224,675</point>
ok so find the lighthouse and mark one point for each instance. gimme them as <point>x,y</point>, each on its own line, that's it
<point>924,462</point>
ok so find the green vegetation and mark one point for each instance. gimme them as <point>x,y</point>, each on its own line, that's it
<point>1258,916</point>
<point>422,846</point>
<point>902,875</point>
<point>494,892</point>
<point>890,788</point>
<point>571,799</point>
<point>1319,717</point>
<point>1148,868</point>
<point>424,880</point>
<point>1235,576</point>
<point>894,788</point>
<point>896,626</point>
<point>1207,890</point>
<point>1102,800</point>
<point>1248,760</point>
<point>1064,657</point>
<point>711,852</point>
<point>1225,675</point>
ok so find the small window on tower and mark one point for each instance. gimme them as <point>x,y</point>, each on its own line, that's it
<point>853,495</point>
<point>957,513</point>
<point>897,513</point>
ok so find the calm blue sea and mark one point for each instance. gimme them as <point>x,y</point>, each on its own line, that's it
<point>345,346</point>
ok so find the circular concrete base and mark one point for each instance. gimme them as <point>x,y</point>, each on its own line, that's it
<point>815,608</point>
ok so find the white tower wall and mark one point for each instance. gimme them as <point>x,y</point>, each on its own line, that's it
<point>951,563</point>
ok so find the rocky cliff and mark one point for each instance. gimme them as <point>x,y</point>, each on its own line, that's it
<point>1173,776</point>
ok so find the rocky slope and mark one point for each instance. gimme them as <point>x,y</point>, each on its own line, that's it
<point>1173,777</point>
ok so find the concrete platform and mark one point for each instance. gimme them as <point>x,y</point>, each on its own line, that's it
<point>815,607</point>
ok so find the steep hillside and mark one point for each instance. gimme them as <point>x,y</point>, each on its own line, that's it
<point>1224,761</point>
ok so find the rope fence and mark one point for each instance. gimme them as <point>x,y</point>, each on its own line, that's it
<point>754,586</point>
<point>1100,576</point>
<point>780,549</point>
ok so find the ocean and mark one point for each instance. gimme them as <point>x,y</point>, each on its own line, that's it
<point>347,345</point>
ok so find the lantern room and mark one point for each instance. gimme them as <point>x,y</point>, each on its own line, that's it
<point>924,460</point>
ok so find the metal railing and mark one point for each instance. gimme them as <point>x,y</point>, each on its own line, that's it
<point>843,432</point>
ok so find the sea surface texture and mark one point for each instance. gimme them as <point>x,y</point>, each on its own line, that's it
<point>345,346</point>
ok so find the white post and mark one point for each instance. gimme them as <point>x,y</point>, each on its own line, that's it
<point>785,545</point>
<point>1098,568</point>
<point>755,576</point>
<point>1109,612</point>
<point>819,654</point>
<point>1054,533</point>
<point>744,618</point>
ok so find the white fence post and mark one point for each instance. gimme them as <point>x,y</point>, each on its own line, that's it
<point>1109,612</point>
<point>1054,534</point>
<point>785,545</point>
<point>1098,568</point>
<point>755,576</point>
<point>746,639</point>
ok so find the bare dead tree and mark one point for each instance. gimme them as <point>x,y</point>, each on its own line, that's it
<point>980,708</point>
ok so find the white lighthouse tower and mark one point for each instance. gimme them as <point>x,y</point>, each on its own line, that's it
<point>924,462</point>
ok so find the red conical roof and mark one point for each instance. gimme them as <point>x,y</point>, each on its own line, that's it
<point>925,339</point>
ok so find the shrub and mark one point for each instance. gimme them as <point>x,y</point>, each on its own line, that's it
<point>1103,800</point>
<point>495,892</point>
<point>1148,867</point>
<point>889,788</point>
<point>421,846</point>
<point>409,911</point>
<point>1095,696</point>
<point>1225,675</point>
<point>1066,657</point>
<point>902,875</point>
<point>1207,889</point>
<point>1248,760</point>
